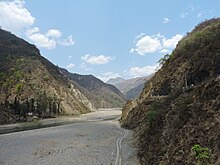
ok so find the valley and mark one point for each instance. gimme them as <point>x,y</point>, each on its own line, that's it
<point>91,139</point>
<point>66,68</point>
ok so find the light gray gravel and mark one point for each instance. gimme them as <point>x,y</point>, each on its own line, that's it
<point>89,142</point>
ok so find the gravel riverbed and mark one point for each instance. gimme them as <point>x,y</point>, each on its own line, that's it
<point>92,141</point>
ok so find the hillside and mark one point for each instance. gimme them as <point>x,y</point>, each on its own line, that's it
<point>31,84</point>
<point>131,88</point>
<point>101,95</point>
<point>115,81</point>
<point>177,116</point>
<point>134,92</point>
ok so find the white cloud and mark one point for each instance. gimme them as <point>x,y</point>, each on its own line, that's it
<point>132,50</point>
<point>32,31</point>
<point>172,42</point>
<point>138,37</point>
<point>96,60</point>
<point>39,39</point>
<point>108,75</point>
<point>142,71</point>
<point>54,33</point>
<point>166,20</point>
<point>67,42</point>
<point>196,11</point>
<point>14,16</point>
<point>85,67</point>
<point>48,40</point>
<point>165,51</point>
<point>145,44</point>
<point>70,66</point>
<point>70,56</point>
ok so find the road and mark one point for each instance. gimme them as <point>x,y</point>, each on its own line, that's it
<point>92,139</point>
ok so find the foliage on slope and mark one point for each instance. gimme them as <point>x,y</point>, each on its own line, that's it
<point>31,84</point>
<point>179,107</point>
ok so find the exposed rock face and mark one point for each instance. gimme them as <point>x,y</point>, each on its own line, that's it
<point>30,83</point>
<point>180,106</point>
<point>101,95</point>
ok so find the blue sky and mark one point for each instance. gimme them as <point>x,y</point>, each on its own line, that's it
<point>105,38</point>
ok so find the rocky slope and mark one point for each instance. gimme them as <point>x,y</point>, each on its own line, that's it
<point>177,116</point>
<point>31,84</point>
<point>101,95</point>
<point>134,92</point>
<point>131,88</point>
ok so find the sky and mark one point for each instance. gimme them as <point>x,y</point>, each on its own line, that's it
<point>105,38</point>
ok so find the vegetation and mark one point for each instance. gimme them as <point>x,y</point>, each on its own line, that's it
<point>154,111</point>
<point>41,107</point>
<point>202,154</point>
<point>189,113</point>
<point>19,88</point>
<point>163,60</point>
<point>31,86</point>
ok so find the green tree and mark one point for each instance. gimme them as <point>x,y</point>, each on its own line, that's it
<point>163,59</point>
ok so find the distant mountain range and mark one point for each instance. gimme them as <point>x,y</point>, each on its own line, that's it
<point>131,88</point>
<point>32,85</point>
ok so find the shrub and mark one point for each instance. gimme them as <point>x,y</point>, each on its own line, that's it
<point>202,154</point>
<point>19,88</point>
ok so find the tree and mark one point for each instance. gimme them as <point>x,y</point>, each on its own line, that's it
<point>163,59</point>
<point>54,108</point>
<point>16,105</point>
<point>32,106</point>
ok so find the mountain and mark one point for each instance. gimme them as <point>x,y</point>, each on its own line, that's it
<point>115,81</point>
<point>134,92</point>
<point>30,84</point>
<point>101,95</point>
<point>131,88</point>
<point>176,119</point>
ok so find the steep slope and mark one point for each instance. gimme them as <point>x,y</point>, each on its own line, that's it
<point>132,88</point>
<point>134,92</point>
<point>102,95</point>
<point>31,84</point>
<point>177,116</point>
<point>116,80</point>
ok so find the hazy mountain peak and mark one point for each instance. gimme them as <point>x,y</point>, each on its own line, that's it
<point>115,81</point>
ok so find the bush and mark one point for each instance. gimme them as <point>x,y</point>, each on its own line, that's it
<point>19,88</point>
<point>202,154</point>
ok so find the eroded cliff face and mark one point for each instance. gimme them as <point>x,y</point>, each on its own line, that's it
<point>180,106</point>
